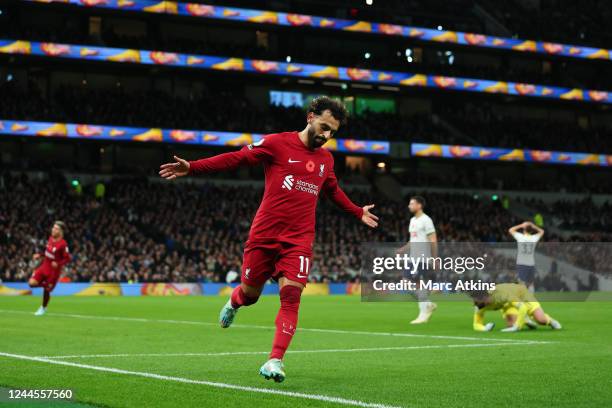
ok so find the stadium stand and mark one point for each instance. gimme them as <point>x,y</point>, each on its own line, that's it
<point>143,230</point>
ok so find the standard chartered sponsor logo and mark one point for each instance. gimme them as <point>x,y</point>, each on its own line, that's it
<point>289,183</point>
<point>307,187</point>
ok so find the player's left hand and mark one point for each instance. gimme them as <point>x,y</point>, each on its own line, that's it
<point>54,265</point>
<point>368,218</point>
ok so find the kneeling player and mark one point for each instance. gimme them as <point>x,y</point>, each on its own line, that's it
<point>518,306</point>
<point>48,273</point>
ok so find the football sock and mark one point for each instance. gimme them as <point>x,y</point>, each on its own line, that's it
<point>240,299</point>
<point>423,306</point>
<point>286,320</point>
<point>46,298</point>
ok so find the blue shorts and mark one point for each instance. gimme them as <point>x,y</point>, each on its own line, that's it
<point>526,273</point>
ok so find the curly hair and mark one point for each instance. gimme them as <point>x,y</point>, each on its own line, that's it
<point>322,103</point>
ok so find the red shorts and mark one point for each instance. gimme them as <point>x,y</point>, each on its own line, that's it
<point>46,277</point>
<point>273,260</point>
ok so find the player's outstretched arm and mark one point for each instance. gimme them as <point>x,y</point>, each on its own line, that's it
<point>248,155</point>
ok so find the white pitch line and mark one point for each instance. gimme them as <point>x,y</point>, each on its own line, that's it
<point>246,353</point>
<point>316,397</point>
<point>301,329</point>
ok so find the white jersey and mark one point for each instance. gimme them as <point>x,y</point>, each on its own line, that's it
<point>420,228</point>
<point>526,248</point>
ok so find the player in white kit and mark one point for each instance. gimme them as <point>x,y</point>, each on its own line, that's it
<point>423,243</point>
<point>525,257</point>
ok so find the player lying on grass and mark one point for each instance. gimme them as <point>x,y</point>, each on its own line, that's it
<point>518,306</point>
<point>56,255</point>
<point>280,241</point>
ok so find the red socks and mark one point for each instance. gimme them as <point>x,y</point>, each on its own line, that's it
<point>240,299</point>
<point>286,320</point>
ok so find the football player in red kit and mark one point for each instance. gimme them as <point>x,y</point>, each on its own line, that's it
<point>48,272</point>
<point>280,241</point>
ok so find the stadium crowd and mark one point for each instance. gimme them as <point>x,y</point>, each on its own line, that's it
<point>556,20</point>
<point>487,125</point>
<point>583,215</point>
<point>481,124</point>
<point>222,110</point>
<point>147,231</point>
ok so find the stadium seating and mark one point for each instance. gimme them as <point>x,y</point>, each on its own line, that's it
<point>483,124</point>
<point>144,230</point>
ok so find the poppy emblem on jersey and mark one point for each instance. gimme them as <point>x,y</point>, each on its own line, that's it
<point>310,166</point>
<point>321,169</point>
<point>288,182</point>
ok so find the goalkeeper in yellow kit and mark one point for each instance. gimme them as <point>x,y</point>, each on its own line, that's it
<point>519,307</point>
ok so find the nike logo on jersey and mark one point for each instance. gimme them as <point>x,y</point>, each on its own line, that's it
<point>294,161</point>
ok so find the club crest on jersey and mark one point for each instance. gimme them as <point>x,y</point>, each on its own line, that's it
<point>321,169</point>
<point>288,182</point>
<point>257,143</point>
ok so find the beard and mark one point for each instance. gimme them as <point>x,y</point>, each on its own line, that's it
<point>315,140</point>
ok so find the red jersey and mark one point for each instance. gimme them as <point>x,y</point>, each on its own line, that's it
<point>295,176</point>
<point>57,250</point>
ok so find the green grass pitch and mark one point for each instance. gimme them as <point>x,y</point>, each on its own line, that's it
<point>170,352</point>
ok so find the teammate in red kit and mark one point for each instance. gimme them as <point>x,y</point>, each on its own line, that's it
<point>279,246</point>
<point>55,257</point>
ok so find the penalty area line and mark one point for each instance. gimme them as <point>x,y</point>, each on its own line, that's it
<point>247,353</point>
<point>292,394</point>
<point>300,329</point>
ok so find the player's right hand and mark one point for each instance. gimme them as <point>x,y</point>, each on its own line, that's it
<point>36,257</point>
<point>171,171</point>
